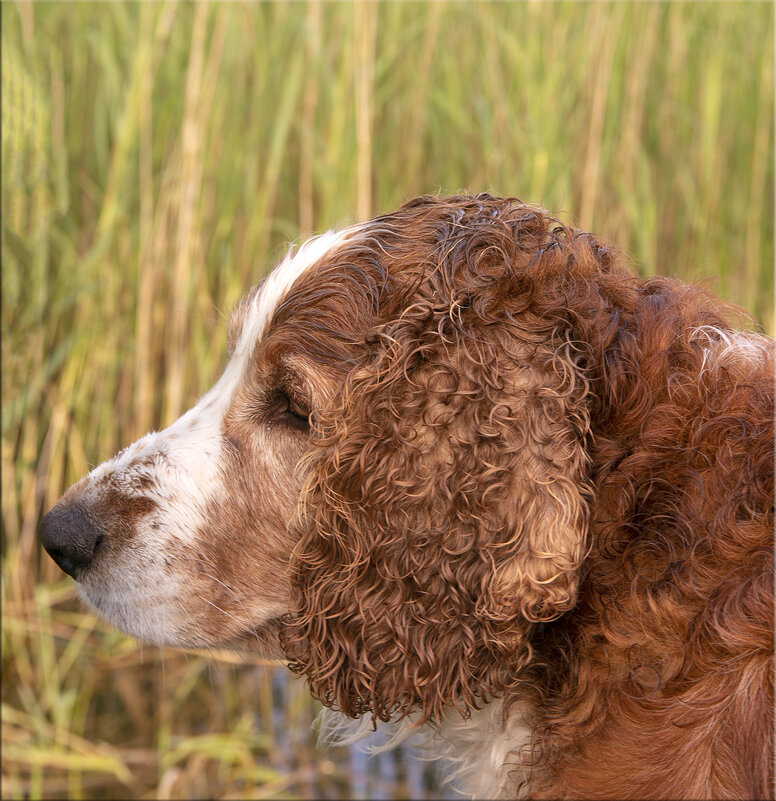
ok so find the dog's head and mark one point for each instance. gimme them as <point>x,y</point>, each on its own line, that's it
<point>390,474</point>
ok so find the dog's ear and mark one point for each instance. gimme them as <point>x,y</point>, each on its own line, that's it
<point>445,513</point>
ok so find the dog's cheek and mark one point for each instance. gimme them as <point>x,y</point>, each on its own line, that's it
<point>236,566</point>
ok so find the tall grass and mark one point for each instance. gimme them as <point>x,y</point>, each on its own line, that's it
<point>155,158</point>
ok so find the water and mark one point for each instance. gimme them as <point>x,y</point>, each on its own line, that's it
<point>346,771</point>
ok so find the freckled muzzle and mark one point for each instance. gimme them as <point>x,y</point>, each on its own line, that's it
<point>71,537</point>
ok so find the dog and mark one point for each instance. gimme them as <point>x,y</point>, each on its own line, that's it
<point>478,482</point>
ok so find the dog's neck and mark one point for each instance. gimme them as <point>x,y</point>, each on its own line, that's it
<point>482,752</point>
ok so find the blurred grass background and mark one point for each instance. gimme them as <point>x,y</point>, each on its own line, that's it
<point>155,158</point>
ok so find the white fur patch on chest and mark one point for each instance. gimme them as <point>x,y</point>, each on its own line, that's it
<point>482,753</point>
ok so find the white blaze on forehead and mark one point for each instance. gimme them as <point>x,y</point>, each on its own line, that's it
<point>279,282</point>
<point>260,310</point>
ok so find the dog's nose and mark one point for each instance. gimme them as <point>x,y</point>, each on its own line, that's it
<point>70,536</point>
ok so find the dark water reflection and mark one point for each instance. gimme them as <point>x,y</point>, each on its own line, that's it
<point>346,772</point>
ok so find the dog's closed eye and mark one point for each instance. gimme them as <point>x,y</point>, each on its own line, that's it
<point>288,407</point>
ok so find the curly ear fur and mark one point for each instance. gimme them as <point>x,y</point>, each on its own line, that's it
<point>446,501</point>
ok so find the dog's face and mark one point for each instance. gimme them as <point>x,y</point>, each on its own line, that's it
<point>183,537</point>
<point>388,478</point>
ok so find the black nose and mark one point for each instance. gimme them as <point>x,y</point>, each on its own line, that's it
<point>70,536</point>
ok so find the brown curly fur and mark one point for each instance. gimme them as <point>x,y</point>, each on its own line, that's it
<point>543,479</point>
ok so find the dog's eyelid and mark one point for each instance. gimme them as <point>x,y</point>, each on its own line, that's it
<point>297,407</point>
<point>298,398</point>
<point>293,381</point>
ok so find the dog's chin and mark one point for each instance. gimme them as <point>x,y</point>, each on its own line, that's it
<point>162,630</point>
<point>263,640</point>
